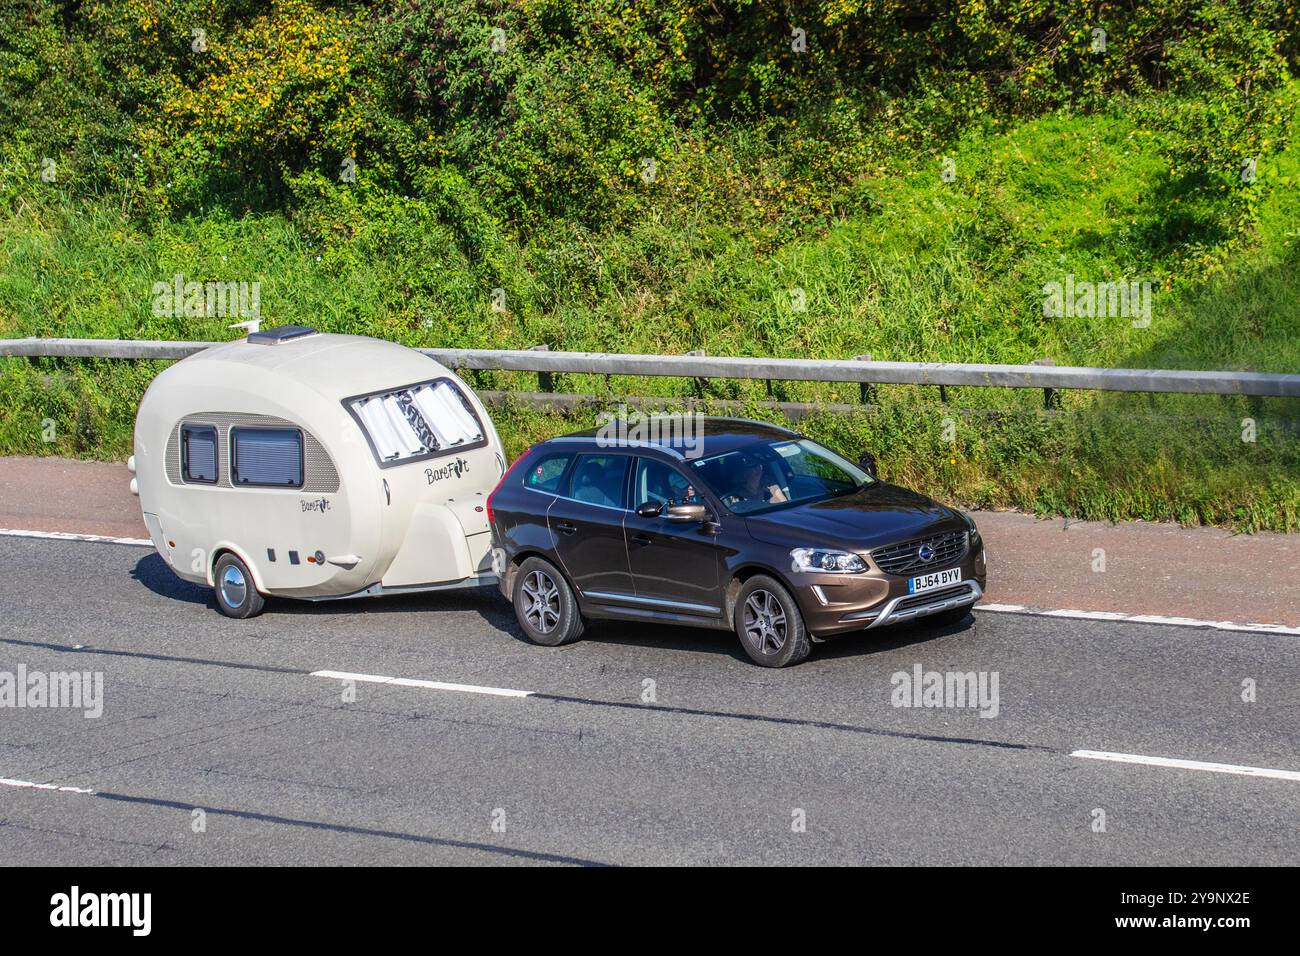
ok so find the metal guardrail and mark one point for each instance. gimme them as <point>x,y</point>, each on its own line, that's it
<point>862,371</point>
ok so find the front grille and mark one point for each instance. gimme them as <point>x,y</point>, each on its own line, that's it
<point>949,548</point>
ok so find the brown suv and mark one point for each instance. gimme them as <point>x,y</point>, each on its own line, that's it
<point>748,527</point>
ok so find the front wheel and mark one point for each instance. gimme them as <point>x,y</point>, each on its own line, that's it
<point>545,605</point>
<point>233,586</point>
<point>769,625</point>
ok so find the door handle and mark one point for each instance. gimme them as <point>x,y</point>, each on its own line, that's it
<point>643,538</point>
<point>565,527</point>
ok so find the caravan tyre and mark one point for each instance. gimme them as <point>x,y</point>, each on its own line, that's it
<point>233,586</point>
<point>545,605</point>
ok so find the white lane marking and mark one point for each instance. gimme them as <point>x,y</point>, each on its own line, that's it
<point>28,785</point>
<point>69,536</point>
<point>1189,764</point>
<point>1138,618</point>
<point>426,684</point>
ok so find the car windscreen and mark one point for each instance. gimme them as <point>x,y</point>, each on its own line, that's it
<point>773,475</point>
<point>417,421</point>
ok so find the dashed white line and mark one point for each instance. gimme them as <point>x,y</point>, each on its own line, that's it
<point>29,785</point>
<point>1138,618</point>
<point>69,536</point>
<point>426,684</point>
<point>1189,764</point>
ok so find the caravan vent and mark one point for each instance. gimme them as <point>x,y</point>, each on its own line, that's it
<point>418,421</point>
<point>282,333</point>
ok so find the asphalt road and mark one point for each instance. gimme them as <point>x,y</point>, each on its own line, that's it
<point>225,716</point>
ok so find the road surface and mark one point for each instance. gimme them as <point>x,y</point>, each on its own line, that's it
<point>220,743</point>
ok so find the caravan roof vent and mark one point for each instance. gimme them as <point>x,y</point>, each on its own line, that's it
<point>279,334</point>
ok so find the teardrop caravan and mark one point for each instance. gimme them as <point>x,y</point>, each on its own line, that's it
<point>315,466</point>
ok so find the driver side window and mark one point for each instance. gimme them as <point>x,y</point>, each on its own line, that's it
<point>662,484</point>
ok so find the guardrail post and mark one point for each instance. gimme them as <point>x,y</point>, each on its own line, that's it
<point>866,390</point>
<point>700,383</point>
<point>545,380</point>
<point>1051,400</point>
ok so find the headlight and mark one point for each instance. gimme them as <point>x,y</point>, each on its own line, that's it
<point>822,559</point>
<point>974,538</point>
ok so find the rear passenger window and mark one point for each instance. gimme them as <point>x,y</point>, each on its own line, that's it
<point>547,473</point>
<point>598,480</point>
<point>266,456</point>
<point>199,453</point>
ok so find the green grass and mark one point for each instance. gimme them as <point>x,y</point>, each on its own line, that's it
<point>908,268</point>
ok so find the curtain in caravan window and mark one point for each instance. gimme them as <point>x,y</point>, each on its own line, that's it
<point>416,421</point>
<point>442,408</point>
<point>267,456</point>
<point>199,450</point>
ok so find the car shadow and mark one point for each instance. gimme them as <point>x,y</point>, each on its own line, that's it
<point>152,571</point>
<point>891,638</point>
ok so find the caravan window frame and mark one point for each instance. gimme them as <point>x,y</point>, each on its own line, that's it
<point>186,428</point>
<point>459,388</point>
<point>233,445</point>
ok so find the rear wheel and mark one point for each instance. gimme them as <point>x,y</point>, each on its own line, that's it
<point>545,605</point>
<point>233,586</point>
<point>769,625</point>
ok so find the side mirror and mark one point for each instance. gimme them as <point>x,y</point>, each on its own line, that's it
<point>867,462</point>
<point>649,509</point>
<point>686,513</point>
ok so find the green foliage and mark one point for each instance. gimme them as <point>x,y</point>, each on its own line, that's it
<point>657,177</point>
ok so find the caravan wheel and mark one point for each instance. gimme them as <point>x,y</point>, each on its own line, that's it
<point>233,586</point>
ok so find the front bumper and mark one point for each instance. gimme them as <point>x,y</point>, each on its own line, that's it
<point>840,603</point>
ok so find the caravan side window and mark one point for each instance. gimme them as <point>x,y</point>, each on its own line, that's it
<point>267,457</point>
<point>199,453</point>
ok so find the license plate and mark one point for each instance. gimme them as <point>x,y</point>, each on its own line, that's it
<point>935,579</point>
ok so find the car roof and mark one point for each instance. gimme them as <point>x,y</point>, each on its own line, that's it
<point>716,435</point>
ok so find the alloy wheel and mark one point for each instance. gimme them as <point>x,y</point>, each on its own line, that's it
<point>765,622</point>
<point>542,597</point>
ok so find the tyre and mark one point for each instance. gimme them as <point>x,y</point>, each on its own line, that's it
<point>545,605</point>
<point>233,587</point>
<point>947,618</point>
<point>769,625</point>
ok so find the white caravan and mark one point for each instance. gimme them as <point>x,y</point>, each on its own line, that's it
<point>314,466</point>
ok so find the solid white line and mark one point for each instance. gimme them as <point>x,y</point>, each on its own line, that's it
<point>69,536</point>
<point>1189,764</point>
<point>1138,618</point>
<point>426,684</point>
<point>28,785</point>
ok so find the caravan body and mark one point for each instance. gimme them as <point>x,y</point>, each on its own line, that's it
<point>326,466</point>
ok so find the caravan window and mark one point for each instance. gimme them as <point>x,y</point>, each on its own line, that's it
<point>266,456</point>
<point>199,453</point>
<point>417,421</point>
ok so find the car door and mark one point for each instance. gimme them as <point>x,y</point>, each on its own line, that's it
<point>586,521</point>
<point>674,565</point>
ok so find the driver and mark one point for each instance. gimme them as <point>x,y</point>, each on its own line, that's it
<point>752,486</point>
